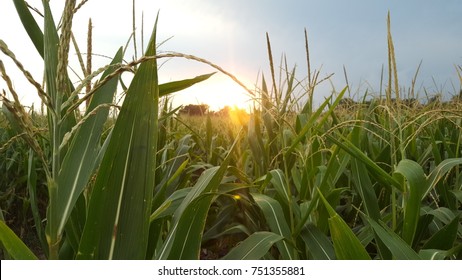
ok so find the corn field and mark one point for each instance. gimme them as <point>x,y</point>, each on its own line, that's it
<point>376,179</point>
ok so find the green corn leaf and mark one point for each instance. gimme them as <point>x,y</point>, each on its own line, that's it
<point>445,237</point>
<point>363,186</point>
<point>397,246</point>
<point>228,231</point>
<point>58,125</point>
<point>167,88</point>
<point>50,56</point>
<point>172,171</point>
<point>257,147</point>
<point>220,221</point>
<point>275,218</point>
<point>317,243</point>
<point>346,245</point>
<point>441,216</point>
<point>279,183</point>
<point>11,243</point>
<point>440,172</point>
<point>175,176</point>
<point>51,43</point>
<point>34,200</point>
<point>334,170</point>
<point>183,241</point>
<point>120,205</point>
<point>30,25</point>
<point>363,183</point>
<point>170,205</point>
<point>431,254</point>
<point>202,186</point>
<point>378,173</point>
<point>188,233</point>
<point>79,161</point>
<point>185,236</point>
<point>425,221</point>
<point>415,186</point>
<point>209,140</point>
<point>457,194</point>
<point>267,117</point>
<point>253,247</point>
<point>333,198</point>
<point>290,78</point>
<point>75,224</point>
<point>310,124</point>
<point>316,121</point>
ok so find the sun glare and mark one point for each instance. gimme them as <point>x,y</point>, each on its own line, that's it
<point>216,92</point>
<point>224,92</point>
<point>238,116</point>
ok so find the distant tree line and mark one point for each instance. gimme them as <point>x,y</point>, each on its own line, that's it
<point>408,102</point>
<point>195,110</point>
<point>204,109</point>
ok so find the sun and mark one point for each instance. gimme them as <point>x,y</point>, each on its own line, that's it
<point>224,92</point>
<point>218,92</point>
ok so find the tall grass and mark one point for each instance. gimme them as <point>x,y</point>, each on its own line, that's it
<point>344,180</point>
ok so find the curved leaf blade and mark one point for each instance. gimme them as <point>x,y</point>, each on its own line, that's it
<point>440,172</point>
<point>276,220</point>
<point>346,245</point>
<point>279,183</point>
<point>176,241</point>
<point>30,25</point>
<point>415,186</point>
<point>188,234</point>
<point>397,246</point>
<point>253,247</point>
<point>167,88</point>
<point>317,243</point>
<point>445,237</point>
<point>364,187</point>
<point>13,245</point>
<point>185,236</point>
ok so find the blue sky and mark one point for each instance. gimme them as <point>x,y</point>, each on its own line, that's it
<point>350,34</point>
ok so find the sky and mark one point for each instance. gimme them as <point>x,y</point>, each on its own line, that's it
<point>231,33</point>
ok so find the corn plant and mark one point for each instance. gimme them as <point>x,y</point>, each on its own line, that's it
<point>100,194</point>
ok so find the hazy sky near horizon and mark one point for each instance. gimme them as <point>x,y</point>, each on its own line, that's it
<point>231,33</point>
